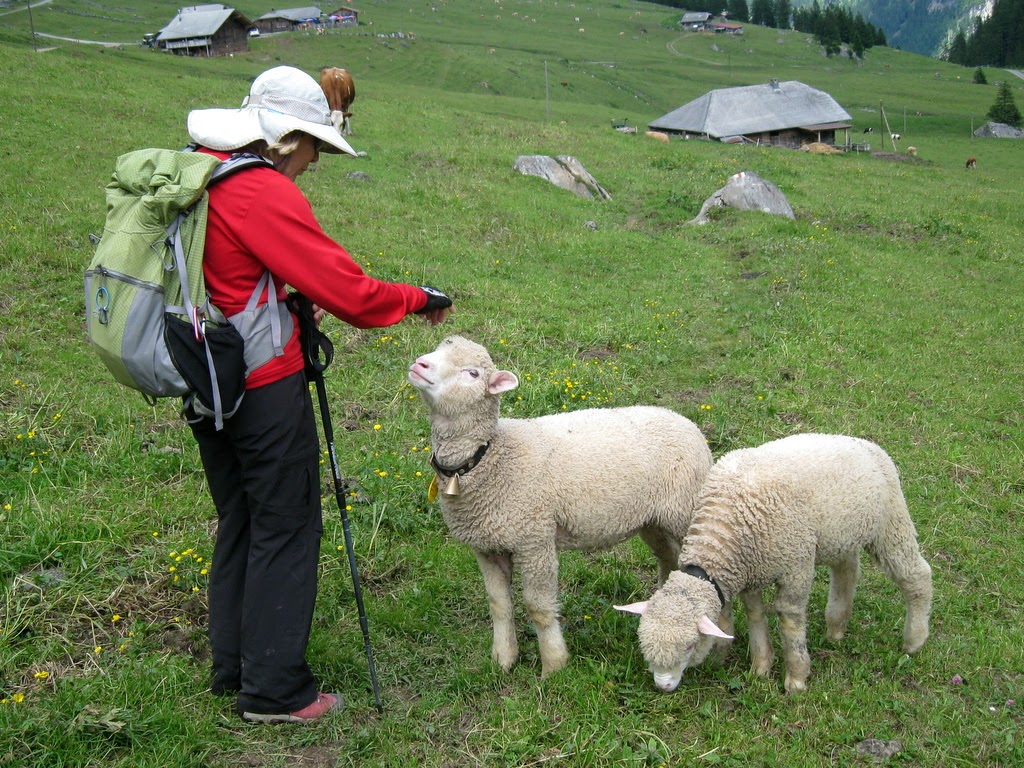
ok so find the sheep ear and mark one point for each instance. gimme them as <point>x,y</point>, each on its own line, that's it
<point>707,627</point>
<point>638,608</point>
<point>502,381</point>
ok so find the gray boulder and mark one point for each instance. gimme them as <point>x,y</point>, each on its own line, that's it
<point>746,191</point>
<point>562,171</point>
<point>999,131</point>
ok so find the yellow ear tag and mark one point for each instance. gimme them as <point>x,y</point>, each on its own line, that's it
<point>432,490</point>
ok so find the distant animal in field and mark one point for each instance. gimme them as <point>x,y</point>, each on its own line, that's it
<point>895,136</point>
<point>658,135</point>
<point>912,151</point>
<point>869,130</point>
<point>340,90</point>
<point>971,163</point>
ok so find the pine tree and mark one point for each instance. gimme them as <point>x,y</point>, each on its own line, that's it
<point>979,76</point>
<point>1005,110</point>
<point>956,53</point>
<point>783,12</point>
<point>738,10</point>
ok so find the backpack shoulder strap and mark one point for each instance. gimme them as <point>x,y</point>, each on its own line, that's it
<point>238,162</point>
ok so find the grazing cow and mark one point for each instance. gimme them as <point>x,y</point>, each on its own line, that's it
<point>971,163</point>
<point>340,90</point>
<point>869,130</point>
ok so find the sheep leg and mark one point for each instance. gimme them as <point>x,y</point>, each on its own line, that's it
<point>497,572</point>
<point>900,558</point>
<point>761,654</point>
<point>665,548</point>
<point>842,586</point>
<point>915,582</point>
<point>791,605</point>
<point>539,574</point>
<point>727,623</point>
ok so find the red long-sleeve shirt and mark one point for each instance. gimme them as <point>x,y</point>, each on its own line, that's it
<point>259,220</point>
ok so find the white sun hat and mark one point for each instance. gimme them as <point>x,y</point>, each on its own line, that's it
<point>281,100</point>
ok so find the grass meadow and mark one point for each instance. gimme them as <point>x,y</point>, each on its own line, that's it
<point>891,309</point>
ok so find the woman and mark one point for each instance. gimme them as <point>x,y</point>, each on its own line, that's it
<point>263,466</point>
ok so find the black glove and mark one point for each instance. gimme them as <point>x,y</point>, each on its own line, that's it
<point>435,300</point>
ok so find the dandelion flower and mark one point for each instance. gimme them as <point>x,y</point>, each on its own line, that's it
<point>41,675</point>
<point>18,698</point>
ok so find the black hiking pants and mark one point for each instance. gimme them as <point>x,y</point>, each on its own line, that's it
<point>263,472</point>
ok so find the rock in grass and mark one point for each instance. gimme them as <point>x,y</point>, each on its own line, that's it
<point>747,191</point>
<point>563,171</point>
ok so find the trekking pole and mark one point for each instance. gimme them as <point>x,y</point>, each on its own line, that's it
<point>314,343</point>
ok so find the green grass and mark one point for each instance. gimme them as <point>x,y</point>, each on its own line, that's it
<point>890,309</point>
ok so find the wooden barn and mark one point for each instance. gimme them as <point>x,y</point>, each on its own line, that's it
<point>290,19</point>
<point>787,114</point>
<point>205,30</point>
<point>344,16</point>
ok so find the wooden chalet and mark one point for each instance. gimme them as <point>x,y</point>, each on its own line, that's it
<point>205,30</point>
<point>344,16</point>
<point>786,114</point>
<point>290,20</point>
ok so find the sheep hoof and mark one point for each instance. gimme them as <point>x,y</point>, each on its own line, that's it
<point>549,668</point>
<point>913,646</point>
<point>795,686</point>
<point>505,662</point>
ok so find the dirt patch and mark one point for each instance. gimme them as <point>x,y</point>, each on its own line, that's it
<point>898,157</point>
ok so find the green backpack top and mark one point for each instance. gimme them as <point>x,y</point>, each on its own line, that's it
<point>148,315</point>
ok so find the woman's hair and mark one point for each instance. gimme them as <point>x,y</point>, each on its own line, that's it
<point>288,144</point>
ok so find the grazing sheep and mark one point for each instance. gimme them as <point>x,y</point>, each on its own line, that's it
<point>912,151</point>
<point>769,515</point>
<point>895,136</point>
<point>518,490</point>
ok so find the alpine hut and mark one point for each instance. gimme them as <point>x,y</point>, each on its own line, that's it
<point>290,19</point>
<point>205,30</point>
<point>787,114</point>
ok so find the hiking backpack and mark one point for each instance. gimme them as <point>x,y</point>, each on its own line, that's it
<point>148,315</point>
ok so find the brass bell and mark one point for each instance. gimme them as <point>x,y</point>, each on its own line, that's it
<point>451,488</point>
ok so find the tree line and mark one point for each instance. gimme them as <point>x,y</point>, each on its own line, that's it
<point>833,26</point>
<point>997,41</point>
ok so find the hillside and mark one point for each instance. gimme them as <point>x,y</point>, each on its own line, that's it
<point>888,308</point>
<point>920,26</point>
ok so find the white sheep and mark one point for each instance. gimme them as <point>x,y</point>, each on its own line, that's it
<point>518,490</point>
<point>769,515</point>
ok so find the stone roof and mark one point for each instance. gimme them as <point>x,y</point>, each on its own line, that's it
<point>750,109</point>
<point>198,21</point>
<point>293,14</point>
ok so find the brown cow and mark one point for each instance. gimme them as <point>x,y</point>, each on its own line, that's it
<point>340,90</point>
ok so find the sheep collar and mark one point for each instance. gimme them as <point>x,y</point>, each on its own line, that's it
<point>699,573</point>
<point>462,468</point>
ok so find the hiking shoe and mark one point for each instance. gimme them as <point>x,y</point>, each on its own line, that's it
<point>324,704</point>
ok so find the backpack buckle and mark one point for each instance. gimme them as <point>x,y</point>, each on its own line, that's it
<point>198,325</point>
<point>102,300</point>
